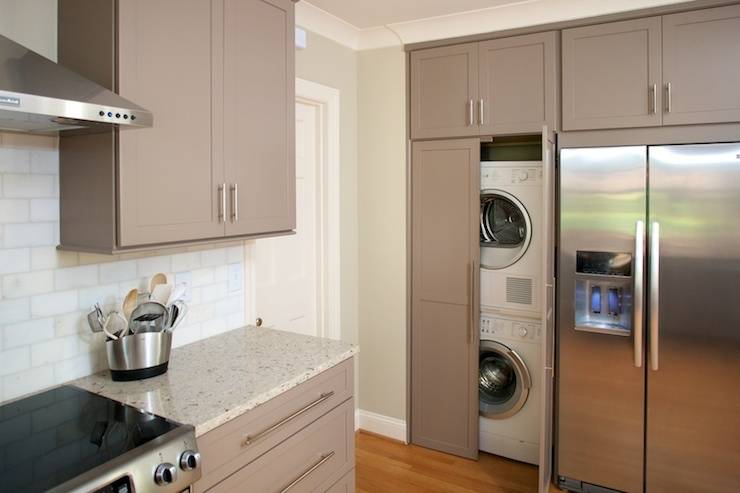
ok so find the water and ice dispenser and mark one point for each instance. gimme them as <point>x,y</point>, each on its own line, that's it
<point>604,292</point>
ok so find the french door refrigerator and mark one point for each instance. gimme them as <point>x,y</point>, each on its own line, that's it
<point>648,362</point>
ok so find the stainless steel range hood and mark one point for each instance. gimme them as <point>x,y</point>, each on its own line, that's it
<point>40,96</point>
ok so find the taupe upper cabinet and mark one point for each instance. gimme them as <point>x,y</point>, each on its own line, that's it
<point>218,76</point>
<point>612,75</point>
<point>259,134</point>
<point>518,83</point>
<point>502,86</point>
<point>701,56</point>
<point>444,91</point>
<point>444,329</point>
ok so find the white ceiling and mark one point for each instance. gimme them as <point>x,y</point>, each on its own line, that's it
<point>372,13</point>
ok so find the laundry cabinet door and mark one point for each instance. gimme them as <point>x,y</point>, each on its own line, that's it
<point>444,91</point>
<point>259,116</point>
<point>518,82</point>
<point>167,176</point>
<point>445,317</point>
<point>701,56</point>
<point>612,75</point>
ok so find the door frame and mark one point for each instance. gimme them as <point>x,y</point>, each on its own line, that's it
<point>326,100</point>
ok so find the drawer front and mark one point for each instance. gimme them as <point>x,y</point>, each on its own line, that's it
<point>344,485</point>
<point>312,460</point>
<point>235,444</point>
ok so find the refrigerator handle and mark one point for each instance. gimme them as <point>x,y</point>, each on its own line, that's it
<point>638,296</point>
<point>654,293</point>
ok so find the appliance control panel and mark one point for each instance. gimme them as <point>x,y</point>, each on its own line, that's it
<point>498,175</point>
<point>511,329</point>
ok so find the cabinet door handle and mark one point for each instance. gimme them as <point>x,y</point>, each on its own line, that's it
<point>222,203</point>
<point>471,116</point>
<point>481,108</point>
<point>304,474</point>
<point>668,97</point>
<point>249,440</point>
<point>234,202</point>
<point>653,98</point>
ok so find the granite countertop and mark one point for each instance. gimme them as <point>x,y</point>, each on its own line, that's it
<point>213,381</point>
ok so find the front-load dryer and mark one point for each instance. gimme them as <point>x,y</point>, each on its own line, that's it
<point>511,236</point>
<point>510,369</point>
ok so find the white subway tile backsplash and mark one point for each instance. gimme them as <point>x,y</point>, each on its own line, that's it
<point>44,305</point>
<point>26,333</point>
<point>28,186</point>
<point>14,211</point>
<point>28,284</point>
<point>29,234</point>
<point>45,293</point>
<point>14,260</point>
<point>76,277</point>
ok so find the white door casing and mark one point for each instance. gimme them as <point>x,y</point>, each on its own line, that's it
<point>294,280</point>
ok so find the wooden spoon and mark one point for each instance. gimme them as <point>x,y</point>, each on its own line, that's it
<point>130,302</point>
<point>157,279</point>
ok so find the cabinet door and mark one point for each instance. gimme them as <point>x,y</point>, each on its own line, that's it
<point>258,115</point>
<point>444,89</point>
<point>518,83</point>
<point>167,176</point>
<point>444,327</point>
<point>701,56</point>
<point>612,75</point>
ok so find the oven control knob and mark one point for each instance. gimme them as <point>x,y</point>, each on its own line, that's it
<point>165,474</point>
<point>189,460</point>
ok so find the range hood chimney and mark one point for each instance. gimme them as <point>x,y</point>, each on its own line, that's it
<point>40,96</point>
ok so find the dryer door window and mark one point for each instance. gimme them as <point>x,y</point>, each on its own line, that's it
<point>505,229</point>
<point>503,381</point>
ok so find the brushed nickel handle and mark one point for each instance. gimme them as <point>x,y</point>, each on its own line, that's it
<point>250,439</point>
<point>638,291</point>
<point>222,203</point>
<point>481,108</point>
<point>471,320</point>
<point>471,116</point>
<point>654,294</point>
<point>234,202</point>
<point>653,96</point>
<point>668,97</point>
<point>312,468</point>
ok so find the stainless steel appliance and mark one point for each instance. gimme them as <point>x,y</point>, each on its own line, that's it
<point>70,440</point>
<point>649,319</point>
<point>38,95</point>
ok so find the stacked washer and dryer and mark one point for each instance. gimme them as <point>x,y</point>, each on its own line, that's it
<point>510,322</point>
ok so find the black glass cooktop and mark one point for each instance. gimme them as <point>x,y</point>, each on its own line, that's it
<point>52,437</point>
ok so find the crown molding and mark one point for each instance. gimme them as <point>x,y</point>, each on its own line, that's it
<point>330,26</point>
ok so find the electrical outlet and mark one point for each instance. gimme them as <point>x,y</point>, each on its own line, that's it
<point>185,279</point>
<point>236,277</point>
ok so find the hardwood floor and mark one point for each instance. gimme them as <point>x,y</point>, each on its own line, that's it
<point>387,466</point>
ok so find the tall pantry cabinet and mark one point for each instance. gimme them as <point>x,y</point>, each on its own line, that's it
<point>219,161</point>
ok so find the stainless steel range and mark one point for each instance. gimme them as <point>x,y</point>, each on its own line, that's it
<point>70,440</point>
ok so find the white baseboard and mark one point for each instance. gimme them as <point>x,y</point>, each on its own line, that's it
<point>382,425</point>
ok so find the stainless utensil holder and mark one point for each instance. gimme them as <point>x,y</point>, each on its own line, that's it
<point>139,356</point>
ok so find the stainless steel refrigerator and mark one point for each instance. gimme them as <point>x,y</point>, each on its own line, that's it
<point>648,334</point>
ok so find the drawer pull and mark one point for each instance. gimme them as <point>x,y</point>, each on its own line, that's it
<point>308,471</point>
<point>250,439</point>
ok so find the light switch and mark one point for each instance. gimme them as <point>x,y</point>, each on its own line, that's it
<point>236,278</point>
<point>185,279</point>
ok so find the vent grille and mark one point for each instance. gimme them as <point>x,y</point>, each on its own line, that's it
<point>519,290</point>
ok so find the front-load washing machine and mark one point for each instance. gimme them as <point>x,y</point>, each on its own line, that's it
<point>511,236</point>
<point>509,387</point>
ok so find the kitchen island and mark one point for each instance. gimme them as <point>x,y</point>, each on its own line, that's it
<point>267,406</point>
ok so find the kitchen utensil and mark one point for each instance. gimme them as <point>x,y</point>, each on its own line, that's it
<point>148,317</point>
<point>177,310</point>
<point>130,302</point>
<point>157,279</point>
<point>99,314</point>
<point>178,293</point>
<point>161,293</point>
<point>94,322</point>
<point>116,325</point>
<point>138,356</point>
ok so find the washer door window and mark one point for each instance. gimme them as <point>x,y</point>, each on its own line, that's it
<point>503,381</point>
<point>505,229</point>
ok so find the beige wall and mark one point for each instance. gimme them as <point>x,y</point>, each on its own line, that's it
<point>382,222</point>
<point>335,65</point>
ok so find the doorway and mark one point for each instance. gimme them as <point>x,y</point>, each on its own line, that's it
<point>293,281</point>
